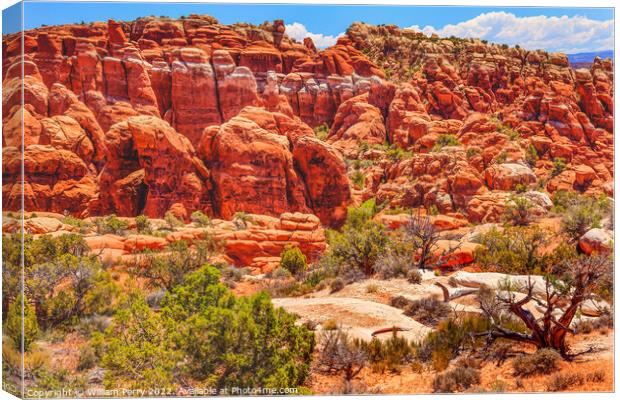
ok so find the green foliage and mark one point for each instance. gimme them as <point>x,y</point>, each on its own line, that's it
<point>143,225</point>
<point>580,213</point>
<point>531,155</point>
<point>390,354</point>
<point>88,359</point>
<point>458,379</point>
<point>396,153</point>
<point>472,151</point>
<point>200,219</point>
<point>501,157</point>
<point>293,260</point>
<point>361,240</point>
<point>444,140</point>
<point>136,350</point>
<point>451,337</point>
<point>14,323</point>
<point>518,211</point>
<point>111,224</point>
<point>544,361</point>
<point>87,287</point>
<point>241,219</point>
<point>172,220</point>
<point>559,165</point>
<point>322,131</point>
<point>232,341</point>
<point>358,178</point>
<point>206,334</point>
<point>168,269</point>
<point>515,250</point>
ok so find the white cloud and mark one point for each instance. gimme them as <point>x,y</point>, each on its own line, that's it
<point>567,34</point>
<point>298,32</point>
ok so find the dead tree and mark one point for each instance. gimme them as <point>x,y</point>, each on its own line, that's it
<point>424,235</point>
<point>339,354</point>
<point>561,297</point>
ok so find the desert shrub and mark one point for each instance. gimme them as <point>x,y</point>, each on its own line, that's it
<point>518,211</point>
<point>172,221</point>
<point>241,220</point>
<point>87,358</point>
<point>444,140</point>
<point>390,354</point>
<point>400,302</point>
<point>340,354</point>
<point>359,244</point>
<point>322,131</point>
<point>580,213</point>
<point>559,165</point>
<point>393,264</point>
<point>451,337</point>
<point>200,219</point>
<point>205,333</point>
<point>531,155</point>
<point>280,273</point>
<point>111,224</point>
<point>166,270</point>
<point>596,376</point>
<point>293,260</point>
<point>87,287</point>
<point>396,153</point>
<point>19,329</point>
<point>336,285</point>
<point>143,225</point>
<point>359,179</point>
<point>544,361</point>
<point>515,250</point>
<point>414,276</point>
<point>372,288</point>
<point>564,380</point>
<point>458,379</point>
<point>428,311</point>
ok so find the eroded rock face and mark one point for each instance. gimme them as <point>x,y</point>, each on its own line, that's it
<point>457,127</point>
<point>268,163</point>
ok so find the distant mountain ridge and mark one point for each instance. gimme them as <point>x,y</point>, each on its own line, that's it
<point>589,56</point>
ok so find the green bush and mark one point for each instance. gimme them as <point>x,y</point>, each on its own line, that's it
<point>18,329</point>
<point>359,244</point>
<point>458,379</point>
<point>451,337</point>
<point>87,359</point>
<point>518,211</point>
<point>515,250</point>
<point>168,269</point>
<point>322,131</point>
<point>143,225</point>
<point>559,165</point>
<point>87,287</point>
<point>111,224</point>
<point>359,179</point>
<point>200,219</point>
<point>580,213</point>
<point>544,361</point>
<point>204,333</point>
<point>293,260</point>
<point>172,220</point>
<point>390,354</point>
<point>531,155</point>
<point>444,140</point>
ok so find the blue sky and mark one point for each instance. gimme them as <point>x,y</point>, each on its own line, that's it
<point>548,28</point>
